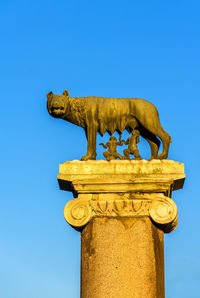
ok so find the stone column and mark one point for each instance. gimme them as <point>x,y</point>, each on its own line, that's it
<point>122,258</point>
<point>122,209</point>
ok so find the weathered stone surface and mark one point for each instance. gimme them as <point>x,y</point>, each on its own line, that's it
<point>160,209</point>
<point>130,170</point>
<point>122,188</point>
<point>122,258</point>
<point>122,209</point>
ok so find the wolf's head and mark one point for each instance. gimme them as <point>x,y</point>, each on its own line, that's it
<point>57,104</point>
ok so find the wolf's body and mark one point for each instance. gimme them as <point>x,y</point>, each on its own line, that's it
<point>99,114</point>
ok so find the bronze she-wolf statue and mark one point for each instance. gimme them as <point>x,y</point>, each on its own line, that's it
<point>99,114</point>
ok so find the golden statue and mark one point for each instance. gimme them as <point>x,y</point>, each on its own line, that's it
<point>112,144</point>
<point>101,114</point>
<point>132,142</point>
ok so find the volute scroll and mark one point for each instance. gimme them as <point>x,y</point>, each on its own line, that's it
<point>77,213</point>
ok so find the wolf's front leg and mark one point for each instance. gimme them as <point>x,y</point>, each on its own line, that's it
<point>91,134</point>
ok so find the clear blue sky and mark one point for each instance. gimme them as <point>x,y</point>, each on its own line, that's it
<point>147,49</point>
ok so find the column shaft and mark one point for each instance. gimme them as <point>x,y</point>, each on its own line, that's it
<point>122,258</point>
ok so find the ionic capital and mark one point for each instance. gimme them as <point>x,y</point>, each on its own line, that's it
<point>160,209</point>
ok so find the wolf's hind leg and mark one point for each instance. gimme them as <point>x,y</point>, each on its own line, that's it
<point>153,141</point>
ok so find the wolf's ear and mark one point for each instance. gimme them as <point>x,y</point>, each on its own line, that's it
<point>66,93</point>
<point>49,95</point>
